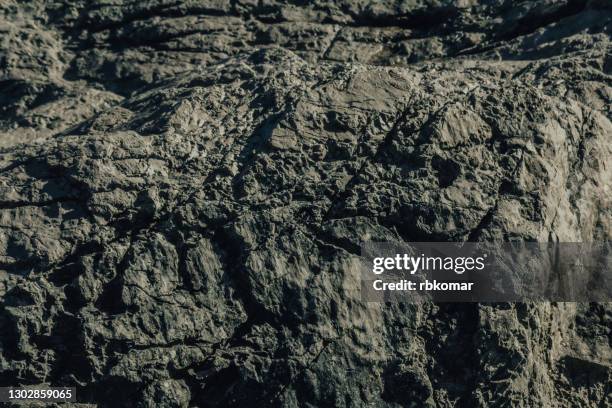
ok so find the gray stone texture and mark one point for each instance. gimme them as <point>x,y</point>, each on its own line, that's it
<point>184,186</point>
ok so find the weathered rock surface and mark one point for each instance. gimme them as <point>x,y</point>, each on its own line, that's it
<point>184,187</point>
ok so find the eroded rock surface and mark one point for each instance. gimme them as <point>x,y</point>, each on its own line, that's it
<point>184,187</point>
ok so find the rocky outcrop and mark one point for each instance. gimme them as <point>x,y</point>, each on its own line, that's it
<point>184,187</point>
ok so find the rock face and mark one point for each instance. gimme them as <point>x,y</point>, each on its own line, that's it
<point>184,187</point>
